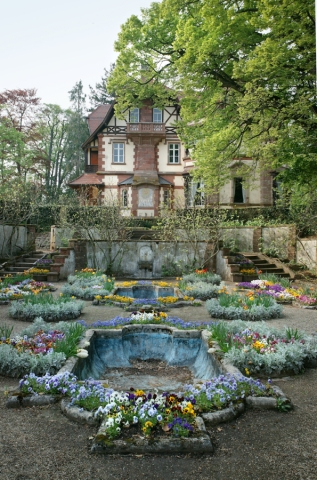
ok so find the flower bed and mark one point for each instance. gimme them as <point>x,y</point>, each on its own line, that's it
<point>40,348</point>
<point>138,317</point>
<point>23,288</point>
<point>87,284</point>
<point>282,293</point>
<point>47,307</point>
<point>257,349</point>
<point>244,307</point>
<point>138,302</point>
<point>169,413</point>
<point>202,291</point>
<point>202,276</point>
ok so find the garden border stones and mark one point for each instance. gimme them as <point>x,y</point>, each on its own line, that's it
<point>198,443</point>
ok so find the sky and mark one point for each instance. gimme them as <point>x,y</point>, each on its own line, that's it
<point>51,45</point>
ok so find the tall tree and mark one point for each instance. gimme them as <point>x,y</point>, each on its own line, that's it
<point>100,95</point>
<point>246,73</point>
<point>20,133</point>
<point>56,149</point>
<point>78,128</point>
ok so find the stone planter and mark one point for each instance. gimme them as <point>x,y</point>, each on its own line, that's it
<point>40,278</point>
<point>234,268</point>
<point>249,278</point>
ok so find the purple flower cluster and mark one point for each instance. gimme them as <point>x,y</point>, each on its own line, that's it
<point>178,424</point>
<point>118,321</point>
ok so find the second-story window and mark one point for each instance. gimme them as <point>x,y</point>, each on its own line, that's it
<point>134,115</point>
<point>173,152</point>
<point>157,115</point>
<point>118,152</point>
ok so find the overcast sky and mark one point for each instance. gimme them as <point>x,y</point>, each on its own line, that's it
<point>50,45</point>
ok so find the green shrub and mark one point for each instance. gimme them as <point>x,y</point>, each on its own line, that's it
<point>47,307</point>
<point>208,277</point>
<point>234,307</point>
<point>15,364</point>
<point>201,290</point>
<point>256,348</point>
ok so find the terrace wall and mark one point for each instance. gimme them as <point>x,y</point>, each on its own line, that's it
<point>16,239</point>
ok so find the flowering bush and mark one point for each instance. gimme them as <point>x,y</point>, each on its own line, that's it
<point>202,290</point>
<point>24,353</point>
<point>47,307</point>
<point>233,307</point>
<point>23,288</point>
<point>146,318</point>
<point>44,262</point>
<point>87,286</point>
<point>305,296</point>
<point>38,271</point>
<point>168,412</point>
<point>207,277</point>
<point>258,349</point>
<point>201,271</point>
<point>248,271</point>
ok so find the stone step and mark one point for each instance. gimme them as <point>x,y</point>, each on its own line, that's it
<point>60,259</point>
<point>55,267</point>
<point>25,265</point>
<point>64,251</point>
<point>53,277</point>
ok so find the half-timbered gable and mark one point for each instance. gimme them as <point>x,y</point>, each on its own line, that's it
<point>141,162</point>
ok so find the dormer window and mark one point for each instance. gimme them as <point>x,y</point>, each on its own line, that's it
<point>134,115</point>
<point>157,115</point>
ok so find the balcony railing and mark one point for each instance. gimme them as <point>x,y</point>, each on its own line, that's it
<point>91,168</point>
<point>146,128</point>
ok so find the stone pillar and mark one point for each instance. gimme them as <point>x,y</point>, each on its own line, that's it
<point>291,251</point>
<point>257,234</point>
<point>80,252</point>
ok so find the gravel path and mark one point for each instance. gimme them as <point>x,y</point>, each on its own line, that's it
<point>42,444</point>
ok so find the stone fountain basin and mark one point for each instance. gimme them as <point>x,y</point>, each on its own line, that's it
<point>147,357</point>
<point>147,291</point>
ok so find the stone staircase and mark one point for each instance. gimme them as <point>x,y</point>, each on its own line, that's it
<point>25,262</point>
<point>261,262</point>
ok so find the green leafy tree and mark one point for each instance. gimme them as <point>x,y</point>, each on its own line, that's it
<point>20,156</point>
<point>100,94</point>
<point>78,128</point>
<point>246,73</point>
<point>56,146</point>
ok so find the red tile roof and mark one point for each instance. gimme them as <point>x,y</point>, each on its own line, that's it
<point>96,117</point>
<point>86,179</point>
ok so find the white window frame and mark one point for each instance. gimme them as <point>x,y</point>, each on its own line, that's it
<point>174,151</point>
<point>157,115</point>
<point>118,152</point>
<point>134,115</point>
